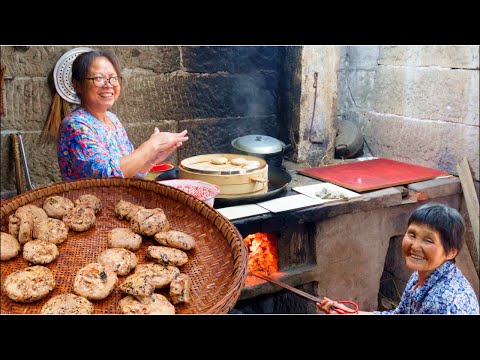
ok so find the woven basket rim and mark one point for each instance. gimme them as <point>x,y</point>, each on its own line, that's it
<point>229,231</point>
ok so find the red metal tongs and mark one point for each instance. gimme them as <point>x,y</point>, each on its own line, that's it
<point>353,307</point>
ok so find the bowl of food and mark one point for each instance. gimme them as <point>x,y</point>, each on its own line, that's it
<point>202,190</point>
<point>158,169</point>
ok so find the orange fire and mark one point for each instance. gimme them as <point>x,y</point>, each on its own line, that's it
<point>262,252</point>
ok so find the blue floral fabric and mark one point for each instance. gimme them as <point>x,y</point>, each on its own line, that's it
<point>87,148</point>
<point>446,291</point>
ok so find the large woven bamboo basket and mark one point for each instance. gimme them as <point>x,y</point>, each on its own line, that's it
<point>217,266</point>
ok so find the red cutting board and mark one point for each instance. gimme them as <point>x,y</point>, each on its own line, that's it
<point>372,174</point>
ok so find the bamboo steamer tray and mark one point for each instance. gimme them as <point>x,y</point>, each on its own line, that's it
<point>233,180</point>
<point>217,266</point>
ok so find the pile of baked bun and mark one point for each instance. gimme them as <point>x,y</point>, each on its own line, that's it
<point>37,232</point>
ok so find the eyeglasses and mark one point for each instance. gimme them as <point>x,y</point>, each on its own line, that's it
<point>101,81</point>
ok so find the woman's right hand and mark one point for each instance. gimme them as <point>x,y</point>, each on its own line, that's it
<point>326,306</point>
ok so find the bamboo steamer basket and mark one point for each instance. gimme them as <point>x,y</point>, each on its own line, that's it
<point>233,180</point>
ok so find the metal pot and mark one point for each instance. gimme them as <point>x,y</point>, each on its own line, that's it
<point>266,147</point>
<point>349,140</point>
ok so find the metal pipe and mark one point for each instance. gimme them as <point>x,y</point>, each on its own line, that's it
<point>315,79</point>
<point>19,181</point>
<point>25,164</point>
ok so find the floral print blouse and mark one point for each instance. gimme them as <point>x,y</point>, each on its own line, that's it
<point>446,291</point>
<point>87,148</point>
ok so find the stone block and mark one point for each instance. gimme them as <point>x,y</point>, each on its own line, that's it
<point>384,197</point>
<point>361,57</point>
<point>157,59</point>
<point>360,88</point>
<point>438,187</point>
<point>27,104</point>
<point>420,142</point>
<point>459,57</point>
<point>231,59</point>
<point>187,96</point>
<point>418,196</point>
<point>37,61</point>
<point>415,92</point>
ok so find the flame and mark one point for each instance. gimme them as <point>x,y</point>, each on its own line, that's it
<point>262,252</point>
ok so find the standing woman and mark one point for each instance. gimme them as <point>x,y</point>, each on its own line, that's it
<point>92,143</point>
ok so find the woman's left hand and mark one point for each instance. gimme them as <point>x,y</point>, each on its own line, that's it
<point>162,155</point>
<point>164,139</point>
<point>167,141</point>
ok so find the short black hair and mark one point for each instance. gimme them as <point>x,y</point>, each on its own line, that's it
<point>444,219</point>
<point>83,61</point>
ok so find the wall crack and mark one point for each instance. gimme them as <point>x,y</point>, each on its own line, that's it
<point>351,96</point>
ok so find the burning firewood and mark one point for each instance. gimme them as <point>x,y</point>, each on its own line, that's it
<point>262,249</point>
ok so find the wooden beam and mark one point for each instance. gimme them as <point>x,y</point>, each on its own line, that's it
<point>471,200</point>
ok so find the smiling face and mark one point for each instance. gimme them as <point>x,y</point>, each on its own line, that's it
<point>98,99</point>
<point>423,250</point>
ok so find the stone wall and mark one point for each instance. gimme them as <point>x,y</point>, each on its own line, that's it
<point>217,93</point>
<point>418,104</point>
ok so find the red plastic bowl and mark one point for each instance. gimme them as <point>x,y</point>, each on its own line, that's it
<point>161,167</point>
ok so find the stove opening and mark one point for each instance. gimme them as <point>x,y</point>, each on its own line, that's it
<point>262,252</point>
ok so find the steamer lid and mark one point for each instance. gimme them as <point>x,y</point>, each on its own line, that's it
<point>258,144</point>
